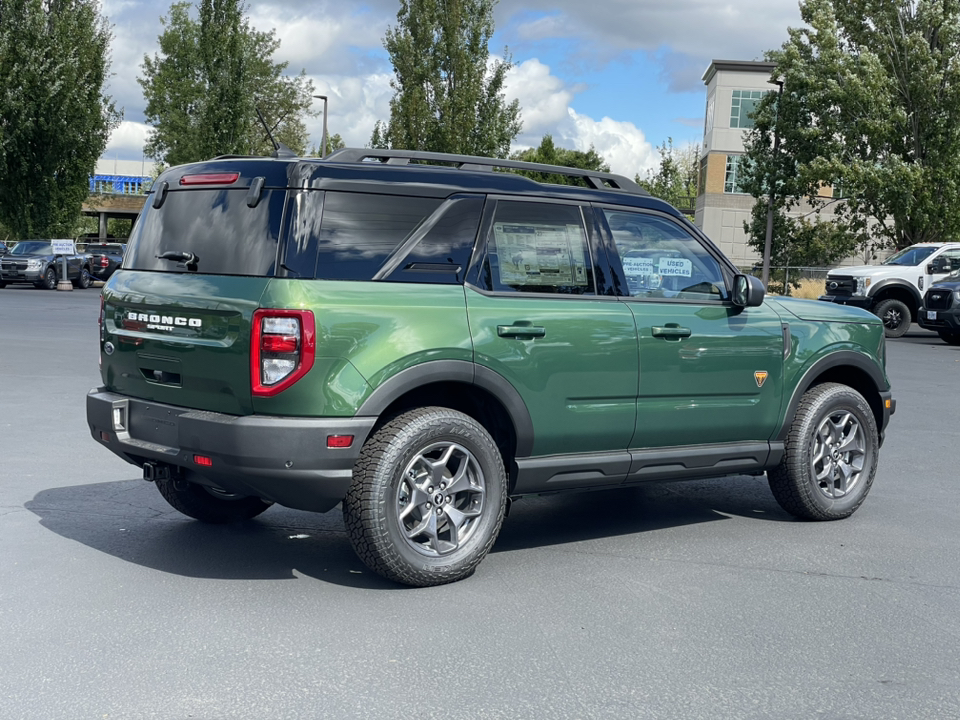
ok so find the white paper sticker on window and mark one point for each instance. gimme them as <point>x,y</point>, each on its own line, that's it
<point>636,266</point>
<point>676,266</point>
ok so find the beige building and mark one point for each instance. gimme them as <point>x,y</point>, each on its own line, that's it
<point>734,88</point>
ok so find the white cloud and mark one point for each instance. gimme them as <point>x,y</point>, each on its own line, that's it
<point>547,108</point>
<point>127,140</point>
<point>354,104</point>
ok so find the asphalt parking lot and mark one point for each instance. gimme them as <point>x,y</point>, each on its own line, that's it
<point>696,600</point>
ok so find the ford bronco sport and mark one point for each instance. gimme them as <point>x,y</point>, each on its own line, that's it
<point>421,340</point>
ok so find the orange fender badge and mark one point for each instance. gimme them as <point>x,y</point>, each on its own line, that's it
<point>760,376</point>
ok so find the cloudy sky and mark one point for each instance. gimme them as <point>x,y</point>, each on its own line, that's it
<point>622,75</point>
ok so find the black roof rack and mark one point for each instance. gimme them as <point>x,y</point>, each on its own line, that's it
<point>596,180</point>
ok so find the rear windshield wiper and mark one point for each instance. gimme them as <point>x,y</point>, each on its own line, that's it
<point>187,258</point>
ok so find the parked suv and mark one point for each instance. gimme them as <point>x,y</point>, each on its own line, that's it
<point>423,340</point>
<point>893,290</point>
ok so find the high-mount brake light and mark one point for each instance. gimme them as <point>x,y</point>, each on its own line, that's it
<point>210,179</point>
<point>283,348</point>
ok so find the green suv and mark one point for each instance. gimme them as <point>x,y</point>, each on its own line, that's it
<point>422,339</point>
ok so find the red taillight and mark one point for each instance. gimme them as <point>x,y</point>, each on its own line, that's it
<point>203,460</point>
<point>283,346</point>
<point>210,179</point>
<point>339,441</point>
<point>104,262</point>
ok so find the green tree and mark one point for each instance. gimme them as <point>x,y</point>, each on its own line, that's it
<point>675,180</point>
<point>447,97</point>
<point>212,74</point>
<point>870,105</point>
<point>54,117</point>
<point>548,153</point>
<point>334,142</point>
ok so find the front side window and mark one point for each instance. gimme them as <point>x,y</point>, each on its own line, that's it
<point>910,257</point>
<point>662,260</point>
<point>538,248</point>
<point>742,107</point>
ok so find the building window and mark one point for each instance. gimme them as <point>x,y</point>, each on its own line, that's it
<point>733,176</point>
<point>744,103</point>
<point>708,123</point>
<point>702,183</point>
<point>103,186</point>
<point>132,187</point>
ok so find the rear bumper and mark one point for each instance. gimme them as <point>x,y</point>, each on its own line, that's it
<point>282,459</point>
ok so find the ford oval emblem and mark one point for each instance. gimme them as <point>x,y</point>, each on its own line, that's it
<point>108,348</point>
<point>834,285</point>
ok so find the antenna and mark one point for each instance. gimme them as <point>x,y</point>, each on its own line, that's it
<point>279,149</point>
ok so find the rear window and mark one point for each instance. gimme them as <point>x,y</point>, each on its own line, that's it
<point>226,235</point>
<point>349,236</point>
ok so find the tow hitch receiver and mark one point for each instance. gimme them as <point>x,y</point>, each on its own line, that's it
<point>158,471</point>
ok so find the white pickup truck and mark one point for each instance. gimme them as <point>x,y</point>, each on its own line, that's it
<point>893,290</point>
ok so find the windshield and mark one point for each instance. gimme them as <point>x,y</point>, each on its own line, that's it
<point>910,256</point>
<point>32,248</point>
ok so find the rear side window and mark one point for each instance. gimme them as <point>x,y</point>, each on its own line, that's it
<point>228,236</point>
<point>349,236</point>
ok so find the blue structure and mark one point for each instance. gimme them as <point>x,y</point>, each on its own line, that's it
<point>119,184</point>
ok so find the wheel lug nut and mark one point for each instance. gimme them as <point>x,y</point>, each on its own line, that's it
<point>439,511</point>
<point>430,489</point>
<point>448,498</point>
<point>429,506</point>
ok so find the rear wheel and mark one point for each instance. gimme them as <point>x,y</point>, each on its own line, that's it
<point>951,338</point>
<point>85,280</point>
<point>830,455</point>
<point>428,497</point>
<point>895,315</point>
<point>207,504</point>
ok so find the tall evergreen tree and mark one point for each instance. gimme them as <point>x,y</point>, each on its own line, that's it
<point>205,85</point>
<point>55,120</point>
<point>548,153</point>
<point>448,98</point>
<point>675,180</point>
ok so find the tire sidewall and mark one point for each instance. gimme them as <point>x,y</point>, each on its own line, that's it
<point>405,445</point>
<point>46,279</point>
<point>905,317</point>
<point>839,399</point>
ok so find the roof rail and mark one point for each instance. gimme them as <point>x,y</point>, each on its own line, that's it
<point>596,180</point>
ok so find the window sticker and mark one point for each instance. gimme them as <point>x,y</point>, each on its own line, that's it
<point>678,267</point>
<point>540,254</point>
<point>638,266</point>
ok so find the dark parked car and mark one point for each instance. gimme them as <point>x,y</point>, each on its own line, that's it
<point>33,261</point>
<point>105,258</point>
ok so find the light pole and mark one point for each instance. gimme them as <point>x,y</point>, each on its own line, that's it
<point>323,137</point>
<point>768,240</point>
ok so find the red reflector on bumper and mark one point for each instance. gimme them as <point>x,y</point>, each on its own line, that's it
<point>339,441</point>
<point>203,460</point>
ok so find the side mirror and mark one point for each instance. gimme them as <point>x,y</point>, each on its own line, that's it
<point>931,268</point>
<point>748,291</point>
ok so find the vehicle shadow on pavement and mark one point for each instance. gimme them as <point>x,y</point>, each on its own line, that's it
<point>130,521</point>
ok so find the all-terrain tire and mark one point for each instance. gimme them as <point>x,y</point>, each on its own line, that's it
<point>208,505</point>
<point>830,455</point>
<point>428,497</point>
<point>895,315</point>
<point>951,338</point>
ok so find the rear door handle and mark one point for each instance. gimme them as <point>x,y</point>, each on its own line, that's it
<point>521,331</point>
<point>671,332</point>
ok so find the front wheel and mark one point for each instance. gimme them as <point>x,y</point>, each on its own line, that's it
<point>830,455</point>
<point>895,315</point>
<point>428,497</point>
<point>208,504</point>
<point>49,280</point>
<point>951,338</point>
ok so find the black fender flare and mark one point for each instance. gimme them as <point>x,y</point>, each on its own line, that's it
<point>460,371</point>
<point>834,359</point>
<point>894,282</point>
